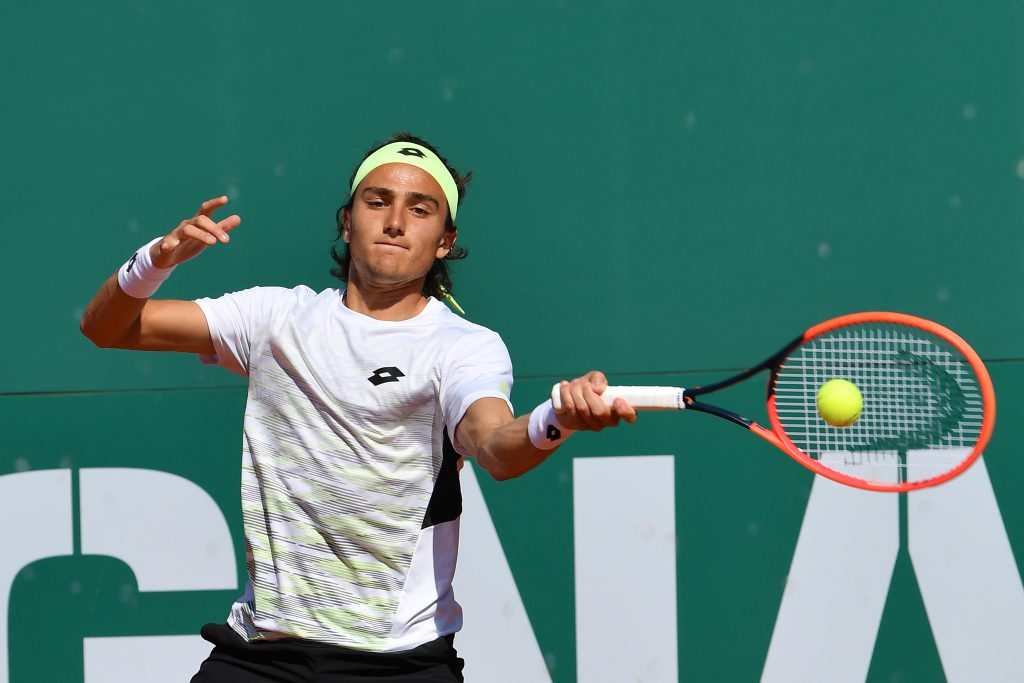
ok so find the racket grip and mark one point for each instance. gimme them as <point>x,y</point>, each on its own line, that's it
<point>640,398</point>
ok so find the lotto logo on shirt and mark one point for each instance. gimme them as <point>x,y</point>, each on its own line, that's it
<point>384,375</point>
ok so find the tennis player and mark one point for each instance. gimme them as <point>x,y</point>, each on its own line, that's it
<point>362,401</point>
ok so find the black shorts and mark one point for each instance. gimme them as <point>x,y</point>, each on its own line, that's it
<point>234,660</point>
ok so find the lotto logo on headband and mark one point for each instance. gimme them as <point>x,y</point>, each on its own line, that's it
<point>412,152</point>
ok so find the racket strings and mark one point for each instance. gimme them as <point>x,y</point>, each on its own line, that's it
<point>923,408</point>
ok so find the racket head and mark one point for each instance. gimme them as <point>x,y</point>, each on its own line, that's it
<point>929,406</point>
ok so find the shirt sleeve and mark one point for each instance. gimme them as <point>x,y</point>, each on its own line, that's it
<point>237,321</point>
<point>478,367</point>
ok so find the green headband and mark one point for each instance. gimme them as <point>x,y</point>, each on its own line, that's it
<point>414,155</point>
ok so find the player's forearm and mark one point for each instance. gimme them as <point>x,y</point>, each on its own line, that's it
<point>115,311</point>
<point>506,452</point>
<point>111,315</point>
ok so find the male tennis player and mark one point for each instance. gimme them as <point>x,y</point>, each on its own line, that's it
<point>361,401</point>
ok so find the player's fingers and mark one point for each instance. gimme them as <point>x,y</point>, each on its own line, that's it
<point>230,223</point>
<point>198,234</point>
<point>565,394</point>
<point>577,394</point>
<point>590,410</point>
<point>210,205</point>
<point>209,225</point>
<point>623,410</point>
<point>601,414</point>
<point>597,380</point>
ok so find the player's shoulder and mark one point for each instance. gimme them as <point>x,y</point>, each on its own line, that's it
<point>454,324</point>
<point>299,294</point>
<point>465,339</point>
<point>270,300</point>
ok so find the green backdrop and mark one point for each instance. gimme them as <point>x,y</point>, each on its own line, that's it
<point>662,191</point>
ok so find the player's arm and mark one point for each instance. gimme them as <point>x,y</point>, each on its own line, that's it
<point>116,319</point>
<point>507,446</point>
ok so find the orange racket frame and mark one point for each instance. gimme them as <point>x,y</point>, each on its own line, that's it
<point>781,440</point>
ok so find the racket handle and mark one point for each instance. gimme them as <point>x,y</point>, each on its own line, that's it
<point>640,398</point>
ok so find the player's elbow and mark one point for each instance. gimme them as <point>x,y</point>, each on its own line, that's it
<point>498,474</point>
<point>90,332</point>
<point>102,342</point>
<point>499,471</point>
<point>96,334</point>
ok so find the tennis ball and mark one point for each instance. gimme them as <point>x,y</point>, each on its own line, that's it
<point>839,402</point>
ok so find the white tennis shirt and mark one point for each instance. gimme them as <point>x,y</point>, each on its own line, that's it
<point>350,497</point>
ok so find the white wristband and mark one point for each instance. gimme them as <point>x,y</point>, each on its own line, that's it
<point>138,277</point>
<point>544,430</point>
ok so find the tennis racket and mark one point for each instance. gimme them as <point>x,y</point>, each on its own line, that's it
<point>929,406</point>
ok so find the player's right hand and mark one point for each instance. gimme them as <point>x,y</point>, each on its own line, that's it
<point>194,234</point>
<point>583,408</point>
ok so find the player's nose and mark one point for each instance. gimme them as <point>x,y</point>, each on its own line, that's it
<point>394,225</point>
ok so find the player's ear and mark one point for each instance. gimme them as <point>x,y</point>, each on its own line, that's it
<point>446,243</point>
<point>346,225</point>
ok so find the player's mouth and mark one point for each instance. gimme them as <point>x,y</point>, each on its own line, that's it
<point>392,244</point>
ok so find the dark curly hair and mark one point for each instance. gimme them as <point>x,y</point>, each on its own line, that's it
<point>438,282</point>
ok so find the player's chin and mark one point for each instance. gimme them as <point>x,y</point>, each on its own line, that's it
<point>389,271</point>
<point>391,274</point>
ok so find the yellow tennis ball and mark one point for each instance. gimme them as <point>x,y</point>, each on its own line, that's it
<point>839,402</point>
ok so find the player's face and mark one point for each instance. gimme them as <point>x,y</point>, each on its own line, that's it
<point>396,227</point>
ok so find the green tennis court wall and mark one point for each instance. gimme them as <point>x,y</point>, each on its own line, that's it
<point>662,191</point>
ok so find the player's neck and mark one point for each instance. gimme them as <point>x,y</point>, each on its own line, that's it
<point>391,302</point>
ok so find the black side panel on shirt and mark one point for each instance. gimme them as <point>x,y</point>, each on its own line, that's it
<point>446,500</point>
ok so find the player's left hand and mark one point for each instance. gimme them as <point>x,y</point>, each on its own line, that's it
<point>584,409</point>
